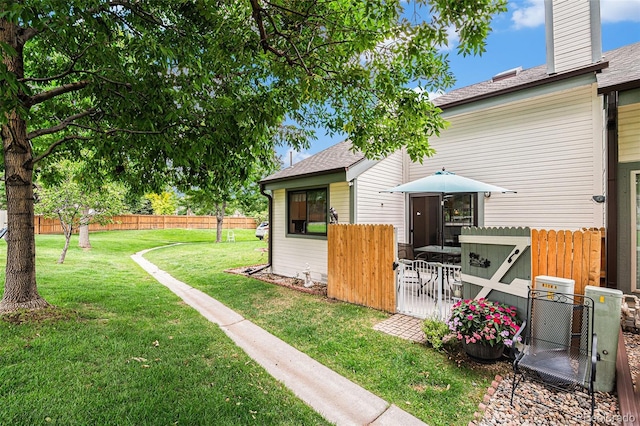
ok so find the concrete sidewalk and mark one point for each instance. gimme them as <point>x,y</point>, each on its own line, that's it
<point>336,398</point>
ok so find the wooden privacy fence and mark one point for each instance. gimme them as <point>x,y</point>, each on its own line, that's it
<point>360,265</point>
<point>134,222</point>
<point>568,254</point>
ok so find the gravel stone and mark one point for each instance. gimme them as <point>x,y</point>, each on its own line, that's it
<point>563,407</point>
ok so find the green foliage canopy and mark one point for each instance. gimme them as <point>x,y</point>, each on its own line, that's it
<point>192,87</point>
<point>196,91</point>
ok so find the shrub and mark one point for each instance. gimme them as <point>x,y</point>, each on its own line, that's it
<point>435,331</point>
<point>483,321</point>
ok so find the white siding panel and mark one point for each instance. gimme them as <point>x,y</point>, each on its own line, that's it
<point>544,148</point>
<point>572,34</point>
<point>291,254</point>
<point>374,207</point>
<point>339,200</point>
<point>629,133</point>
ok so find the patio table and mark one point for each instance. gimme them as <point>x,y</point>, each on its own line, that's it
<point>446,254</point>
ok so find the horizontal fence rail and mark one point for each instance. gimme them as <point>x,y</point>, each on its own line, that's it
<point>135,222</point>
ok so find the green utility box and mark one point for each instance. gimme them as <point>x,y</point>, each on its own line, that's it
<point>606,324</point>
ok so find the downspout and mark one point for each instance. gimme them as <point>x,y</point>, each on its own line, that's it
<point>611,239</point>
<point>270,247</point>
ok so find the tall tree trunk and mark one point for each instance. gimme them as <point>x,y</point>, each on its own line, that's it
<point>20,290</point>
<point>220,208</point>
<point>83,237</point>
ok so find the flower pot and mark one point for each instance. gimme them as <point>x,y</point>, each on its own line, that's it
<point>482,352</point>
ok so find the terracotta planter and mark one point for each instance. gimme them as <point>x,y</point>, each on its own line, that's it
<point>484,353</point>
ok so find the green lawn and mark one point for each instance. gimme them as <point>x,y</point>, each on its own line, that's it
<point>130,352</point>
<point>423,382</point>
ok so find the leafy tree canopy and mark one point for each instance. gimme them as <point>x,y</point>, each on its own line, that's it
<point>196,90</point>
<point>190,87</point>
<point>164,203</point>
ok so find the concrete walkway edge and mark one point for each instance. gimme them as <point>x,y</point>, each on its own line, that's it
<point>337,399</point>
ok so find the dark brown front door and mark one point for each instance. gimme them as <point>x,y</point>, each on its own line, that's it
<point>424,220</point>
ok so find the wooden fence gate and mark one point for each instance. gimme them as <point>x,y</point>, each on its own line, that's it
<point>360,265</point>
<point>504,261</point>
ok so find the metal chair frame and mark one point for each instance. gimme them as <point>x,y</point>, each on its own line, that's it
<point>559,348</point>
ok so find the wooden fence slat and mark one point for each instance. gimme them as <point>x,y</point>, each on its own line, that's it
<point>576,270</point>
<point>552,254</point>
<point>560,253</point>
<point>595,258</point>
<point>535,253</point>
<point>544,248</point>
<point>568,254</point>
<point>360,260</point>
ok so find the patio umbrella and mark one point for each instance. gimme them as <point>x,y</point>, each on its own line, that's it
<point>445,182</point>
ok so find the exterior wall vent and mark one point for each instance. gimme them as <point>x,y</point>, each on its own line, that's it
<point>506,74</point>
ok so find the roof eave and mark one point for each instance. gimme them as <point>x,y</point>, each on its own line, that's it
<point>551,79</point>
<point>627,85</point>
<point>310,174</point>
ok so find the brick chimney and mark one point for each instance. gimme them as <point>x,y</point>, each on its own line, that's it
<point>573,33</point>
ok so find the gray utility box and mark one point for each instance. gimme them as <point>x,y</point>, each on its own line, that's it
<point>554,326</point>
<point>606,324</point>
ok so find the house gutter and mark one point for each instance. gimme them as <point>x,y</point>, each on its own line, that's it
<point>270,239</point>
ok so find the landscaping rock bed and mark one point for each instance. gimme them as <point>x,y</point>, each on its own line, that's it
<point>289,282</point>
<point>497,410</point>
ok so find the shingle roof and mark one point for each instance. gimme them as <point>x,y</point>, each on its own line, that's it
<point>623,67</point>
<point>338,157</point>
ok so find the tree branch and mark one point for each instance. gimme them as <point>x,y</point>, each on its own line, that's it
<point>74,60</point>
<point>61,90</point>
<point>297,59</point>
<point>110,132</point>
<point>62,125</point>
<point>27,34</point>
<point>57,143</point>
<point>257,17</point>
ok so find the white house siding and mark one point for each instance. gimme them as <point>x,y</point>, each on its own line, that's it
<point>547,148</point>
<point>374,207</point>
<point>339,200</point>
<point>572,34</point>
<point>292,254</point>
<point>629,133</point>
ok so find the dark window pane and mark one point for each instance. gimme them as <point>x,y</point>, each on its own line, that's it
<point>297,212</point>
<point>317,204</point>
<point>308,212</point>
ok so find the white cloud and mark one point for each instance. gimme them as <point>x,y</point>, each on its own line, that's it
<point>453,38</point>
<point>530,13</point>
<point>619,10</point>
<point>294,157</point>
<point>431,95</point>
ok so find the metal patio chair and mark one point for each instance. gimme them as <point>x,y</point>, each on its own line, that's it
<point>559,348</point>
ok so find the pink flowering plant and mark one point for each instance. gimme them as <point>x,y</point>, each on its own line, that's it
<point>484,321</point>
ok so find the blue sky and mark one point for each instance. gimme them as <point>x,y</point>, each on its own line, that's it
<point>518,39</point>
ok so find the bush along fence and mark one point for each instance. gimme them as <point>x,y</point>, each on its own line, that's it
<point>135,222</point>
